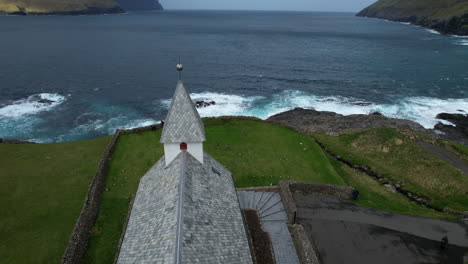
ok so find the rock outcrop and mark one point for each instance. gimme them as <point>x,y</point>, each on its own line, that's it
<point>59,7</point>
<point>445,16</point>
<point>312,121</point>
<point>309,121</point>
<point>459,131</point>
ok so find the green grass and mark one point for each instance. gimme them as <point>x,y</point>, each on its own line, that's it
<point>374,195</point>
<point>391,154</point>
<point>434,9</point>
<point>261,154</point>
<point>257,153</point>
<point>52,6</point>
<point>134,155</point>
<point>42,190</point>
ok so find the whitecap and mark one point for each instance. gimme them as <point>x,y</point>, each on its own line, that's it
<point>432,31</point>
<point>422,110</point>
<point>462,42</point>
<point>226,104</point>
<point>32,105</point>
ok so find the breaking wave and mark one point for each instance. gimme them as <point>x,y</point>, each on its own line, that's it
<point>422,110</point>
<point>32,105</point>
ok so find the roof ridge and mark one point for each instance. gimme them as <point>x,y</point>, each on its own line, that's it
<point>180,209</point>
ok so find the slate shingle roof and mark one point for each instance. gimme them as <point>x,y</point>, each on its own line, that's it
<point>183,123</point>
<point>211,226</point>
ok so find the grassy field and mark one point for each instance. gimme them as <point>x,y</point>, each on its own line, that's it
<point>42,190</point>
<point>257,153</point>
<point>398,158</point>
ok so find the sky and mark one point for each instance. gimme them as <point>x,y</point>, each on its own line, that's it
<point>286,5</point>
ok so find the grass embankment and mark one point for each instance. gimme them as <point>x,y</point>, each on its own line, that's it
<point>398,158</point>
<point>256,152</point>
<point>42,190</point>
<point>54,6</point>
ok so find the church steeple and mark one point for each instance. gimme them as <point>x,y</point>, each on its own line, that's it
<point>183,128</point>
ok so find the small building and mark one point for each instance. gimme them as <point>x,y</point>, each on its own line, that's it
<point>186,209</point>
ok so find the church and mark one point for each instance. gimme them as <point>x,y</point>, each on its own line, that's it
<point>186,209</point>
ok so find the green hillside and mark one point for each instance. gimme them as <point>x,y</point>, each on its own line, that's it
<point>40,7</point>
<point>42,186</point>
<point>446,16</point>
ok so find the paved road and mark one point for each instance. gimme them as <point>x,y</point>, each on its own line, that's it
<point>346,233</point>
<point>445,155</point>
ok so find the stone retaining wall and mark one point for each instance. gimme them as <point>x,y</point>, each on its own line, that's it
<point>306,250</point>
<point>78,243</point>
<point>288,188</point>
<point>260,189</point>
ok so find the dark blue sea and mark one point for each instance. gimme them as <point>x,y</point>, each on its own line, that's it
<point>102,73</point>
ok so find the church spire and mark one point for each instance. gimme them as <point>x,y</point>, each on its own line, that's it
<point>183,128</point>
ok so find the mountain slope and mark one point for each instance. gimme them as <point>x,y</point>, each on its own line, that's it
<point>60,7</point>
<point>140,4</point>
<point>446,16</point>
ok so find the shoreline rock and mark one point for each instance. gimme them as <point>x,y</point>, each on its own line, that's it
<point>457,133</point>
<point>201,104</point>
<point>312,121</point>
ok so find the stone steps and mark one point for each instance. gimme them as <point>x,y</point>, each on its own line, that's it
<point>274,221</point>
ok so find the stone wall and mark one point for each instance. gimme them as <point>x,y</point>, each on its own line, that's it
<point>306,250</point>
<point>288,188</point>
<point>341,192</point>
<point>81,234</point>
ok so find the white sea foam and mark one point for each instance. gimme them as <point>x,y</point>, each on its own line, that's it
<point>462,42</point>
<point>225,104</point>
<point>432,31</point>
<point>419,109</point>
<point>32,105</point>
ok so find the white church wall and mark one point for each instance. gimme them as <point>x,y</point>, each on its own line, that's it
<point>171,150</point>
<point>196,149</point>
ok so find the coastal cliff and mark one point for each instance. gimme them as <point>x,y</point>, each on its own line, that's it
<point>59,7</point>
<point>140,4</point>
<point>445,16</point>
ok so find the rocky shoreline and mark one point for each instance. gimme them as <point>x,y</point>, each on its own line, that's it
<point>446,17</point>
<point>311,121</point>
<point>453,26</point>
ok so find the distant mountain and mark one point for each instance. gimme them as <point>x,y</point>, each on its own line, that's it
<point>59,7</point>
<point>140,4</point>
<point>445,16</point>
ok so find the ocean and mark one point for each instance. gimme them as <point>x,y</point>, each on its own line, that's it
<point>65,78</point>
